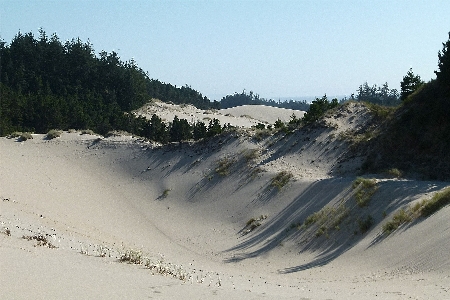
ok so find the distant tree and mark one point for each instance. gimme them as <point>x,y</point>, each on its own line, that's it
<point>409,84</point>
<point>279,124</point>
<point>378,95</point>
<point>180,130</point>
<point>318,108</point>
<point>199,130</point>
<point>443,75</point>
<point>214,127</point>
<point>238,99</point>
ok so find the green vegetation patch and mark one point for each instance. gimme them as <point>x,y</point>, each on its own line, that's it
<point>424,208</point>
<point>364,190</point>
<point>53,134</point>
<point>438,201</point>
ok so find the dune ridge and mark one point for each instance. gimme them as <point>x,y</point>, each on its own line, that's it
<point>209,220</point>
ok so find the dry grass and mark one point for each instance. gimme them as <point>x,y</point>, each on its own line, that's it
<point>364,190</point>
<point>223,166</point>
<point>281,179</point>
<point>424,208</point>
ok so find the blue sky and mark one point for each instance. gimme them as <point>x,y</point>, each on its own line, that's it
<point>275,48</point>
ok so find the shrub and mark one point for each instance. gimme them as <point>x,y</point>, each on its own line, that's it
<point>281,179</point>
<point>260,134</point>
<point>15,134</point>
<point>53,134</point>
<point>132,257</point>
<point>165,193</point>
<point>394,172</point>
<point>251,154</point>
<point>25,136</point>
<point>365,224</point>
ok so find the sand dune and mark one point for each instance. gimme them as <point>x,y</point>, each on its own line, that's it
<point>241,116</point>
<point>82,201</point>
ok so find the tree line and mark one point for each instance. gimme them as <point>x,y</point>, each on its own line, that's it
<point>251,98</point>
<point>45,84</point>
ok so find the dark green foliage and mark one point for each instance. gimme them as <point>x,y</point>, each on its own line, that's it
<point>417,139</point>
<point>378,95</point>
<point>279,124</point>
<point>318,108</point>
<point>409,84</point>
<point>214,127</point>
<point>199,130</point>
<point>365,224</point>
<point>443,75</point>
<point>253,99</point>
<point>180,130</point>
<point>260,126</point>
<point>48,84</point>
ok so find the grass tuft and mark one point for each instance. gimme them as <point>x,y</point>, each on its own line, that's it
<point>364,190</point>
<point>424,208</point>
<point>281,179</point>
<point>223,166</point>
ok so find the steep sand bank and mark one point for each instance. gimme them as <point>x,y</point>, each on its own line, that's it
<point>94,198</point>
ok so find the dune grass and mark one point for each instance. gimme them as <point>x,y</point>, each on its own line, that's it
<point>223,166</point>
<point>424,209</point>
<point>281,179</point>
<point>364,190</point>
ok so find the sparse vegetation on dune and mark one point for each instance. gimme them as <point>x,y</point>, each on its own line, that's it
<point>223,166</point>
<point>423,208</point>
<point>281,179</point>
<point>364,189</point>
<point>53,134</point>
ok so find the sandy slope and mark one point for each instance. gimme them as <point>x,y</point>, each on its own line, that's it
<point>89,195</point>
<point>242,116</point>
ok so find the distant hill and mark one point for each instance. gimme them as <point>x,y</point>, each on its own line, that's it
<point>251,98</point>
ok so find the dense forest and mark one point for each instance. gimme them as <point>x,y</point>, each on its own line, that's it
<point>47,84</point>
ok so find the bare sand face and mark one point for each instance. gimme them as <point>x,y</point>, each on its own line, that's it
<point>208,220</point>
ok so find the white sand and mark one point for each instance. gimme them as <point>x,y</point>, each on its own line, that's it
<point>241,116</point>
<point>88,195</point>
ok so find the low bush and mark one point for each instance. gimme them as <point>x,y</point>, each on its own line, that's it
<point>25,136</point>
<point>53,134</point>
<point>365,224</point>
<point>394,173</point>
